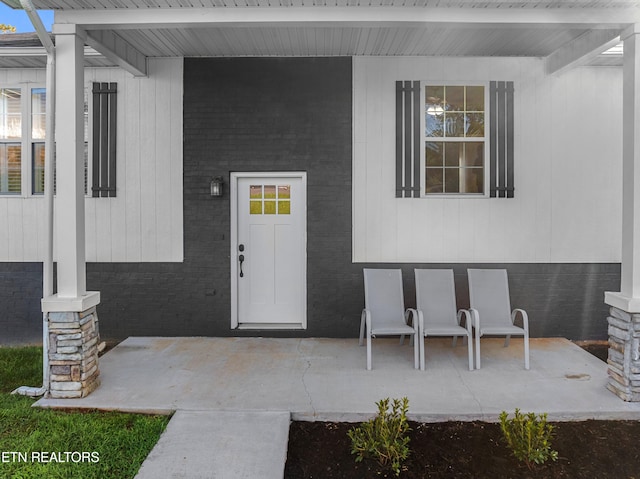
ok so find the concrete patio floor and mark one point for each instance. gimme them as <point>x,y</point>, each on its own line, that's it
<point>233,398</point>
<point>326,379</point>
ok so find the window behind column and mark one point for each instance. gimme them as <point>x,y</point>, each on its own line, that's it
<point>38,137</point>
<point>10,141</point>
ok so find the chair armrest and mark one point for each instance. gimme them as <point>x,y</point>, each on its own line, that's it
<point>412,316</point>
<point>420,316</point>
<point>365,322</point>
<point>523,315</point>
<point>467,318</point>
<point>475,316</point>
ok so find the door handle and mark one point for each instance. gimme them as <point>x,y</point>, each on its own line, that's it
<point>241,259</point>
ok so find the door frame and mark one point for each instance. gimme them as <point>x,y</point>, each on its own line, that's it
<point>233,258</point>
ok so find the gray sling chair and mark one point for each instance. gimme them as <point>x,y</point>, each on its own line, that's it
<point>436,306</point>
<point>384,313</point>
<point>491,309</point>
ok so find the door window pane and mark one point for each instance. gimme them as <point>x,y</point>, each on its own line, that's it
<point>270,191</point>
<point>255,203</point>
<point>284,207</point>
<point>284,191</point>
<point>269,207</point>
<point>270,199</point>
<point>255,207</point>
<point>284,199</point>
<point>255,191</point>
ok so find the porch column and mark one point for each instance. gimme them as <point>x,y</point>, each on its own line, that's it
<point>69,163</point>
<point>624,317</point>
<point>72,317</point>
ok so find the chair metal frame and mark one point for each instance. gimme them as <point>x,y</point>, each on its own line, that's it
<point>436,307</point>
<point>500,323</point>
<point>394,319</point>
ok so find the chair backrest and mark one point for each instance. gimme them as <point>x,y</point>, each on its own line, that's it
<point>436,296</point>
<point>489,294</point>
<point>383,295</point>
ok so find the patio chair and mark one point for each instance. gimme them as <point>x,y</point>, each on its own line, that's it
<point>384,313</point>
<point>491,309</point>
<point>436,307</point>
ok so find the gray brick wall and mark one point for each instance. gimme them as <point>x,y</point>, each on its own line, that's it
<point>20,293</point>
<point>266,114</point>
<point>269,114</point>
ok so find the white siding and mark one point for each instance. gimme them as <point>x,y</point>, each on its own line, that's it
<point>144,221</point>
<point>568,166</point>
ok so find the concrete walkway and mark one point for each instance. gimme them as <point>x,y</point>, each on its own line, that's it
<point>235,395</point>
<point>221,445</point>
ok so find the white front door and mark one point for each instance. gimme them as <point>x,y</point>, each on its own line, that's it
<point>268,250</point>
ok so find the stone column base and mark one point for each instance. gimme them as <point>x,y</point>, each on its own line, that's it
<point>73,353</point>
<point>624,354</point>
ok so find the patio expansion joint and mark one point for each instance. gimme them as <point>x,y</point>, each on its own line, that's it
<point>303,378</point>
<point>473,395</point>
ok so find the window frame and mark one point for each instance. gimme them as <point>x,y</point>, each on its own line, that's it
<point>31,142</point>
<point>486,139</point>
<point>27,142</point>
<point>18,141</point>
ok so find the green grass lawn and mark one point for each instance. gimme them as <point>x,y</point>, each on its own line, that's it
<point>39,443</point>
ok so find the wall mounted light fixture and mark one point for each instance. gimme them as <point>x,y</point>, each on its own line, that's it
<point>216,186</point>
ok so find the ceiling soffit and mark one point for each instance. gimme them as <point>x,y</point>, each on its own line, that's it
<point>420,28</point>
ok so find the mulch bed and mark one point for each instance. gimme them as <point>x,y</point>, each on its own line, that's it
<point>451,450</point>
<point>589,450</point>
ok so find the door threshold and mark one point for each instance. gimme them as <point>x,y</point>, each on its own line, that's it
<point>289,326</point>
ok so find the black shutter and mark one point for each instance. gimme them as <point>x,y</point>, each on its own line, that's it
<point>408,139</point>
<point>104,139</point>
<point>501,139</point>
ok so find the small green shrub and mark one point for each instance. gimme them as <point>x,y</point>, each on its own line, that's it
<point>385,436</point>
<point>529,437</point>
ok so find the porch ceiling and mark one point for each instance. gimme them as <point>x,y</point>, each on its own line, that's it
<point>205,28</point>
<point>480,4</point>
<point>431,40</point>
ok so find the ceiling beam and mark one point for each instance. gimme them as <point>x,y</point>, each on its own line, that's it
<point>581,50</point>
<point>37,52</point>
<point>120,52</point>
<point>23,52</point>
<point>589,18</point>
